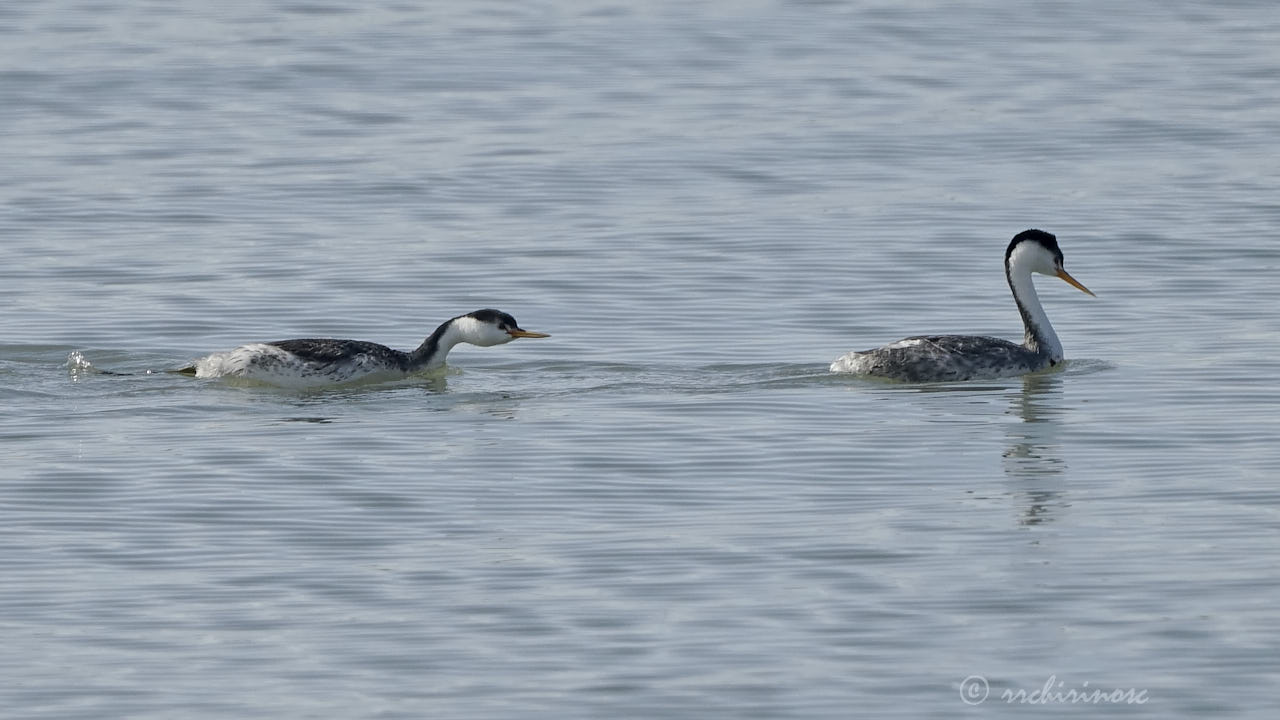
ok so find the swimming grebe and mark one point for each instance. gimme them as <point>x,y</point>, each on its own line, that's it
<point>930,358</point>
<point>312,362</point>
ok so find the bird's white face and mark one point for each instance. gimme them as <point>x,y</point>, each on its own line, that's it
<point>484,334</point>
<point>1035,257</point>
<point>1039,259</point>
<point>487,334</point>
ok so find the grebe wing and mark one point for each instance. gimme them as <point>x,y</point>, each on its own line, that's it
<point>963,345</point>
<point>941,357</point>
<point>326,351</point>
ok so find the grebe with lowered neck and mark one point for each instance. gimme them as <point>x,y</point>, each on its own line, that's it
<point>314,362</point>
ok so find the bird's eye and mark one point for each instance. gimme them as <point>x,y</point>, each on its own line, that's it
<point>502,326</point>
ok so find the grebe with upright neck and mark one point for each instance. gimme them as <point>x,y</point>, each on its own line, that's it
<point>313,362</point>
<point>933,358</point>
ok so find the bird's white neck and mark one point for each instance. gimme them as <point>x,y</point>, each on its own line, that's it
<point>433,351</point>
<point>1040,337</point>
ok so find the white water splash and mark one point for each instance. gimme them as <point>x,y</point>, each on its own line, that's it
<point>77,365</point>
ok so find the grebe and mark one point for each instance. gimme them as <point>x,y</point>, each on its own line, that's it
<point>313,362</point>
<point>931,358</point>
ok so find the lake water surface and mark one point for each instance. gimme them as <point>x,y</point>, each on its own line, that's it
<point>669,508</point>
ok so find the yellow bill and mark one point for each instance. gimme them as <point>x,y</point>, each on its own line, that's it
<point>1074,282</point>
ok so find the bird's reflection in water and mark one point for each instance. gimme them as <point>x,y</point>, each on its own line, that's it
<point>1034,455</point>
<point>500,405</point>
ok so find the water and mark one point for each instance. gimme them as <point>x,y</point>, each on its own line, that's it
<point>669,508</point>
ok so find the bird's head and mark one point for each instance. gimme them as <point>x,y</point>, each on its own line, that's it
<point>490,327</point>
<point>1037,251</point>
